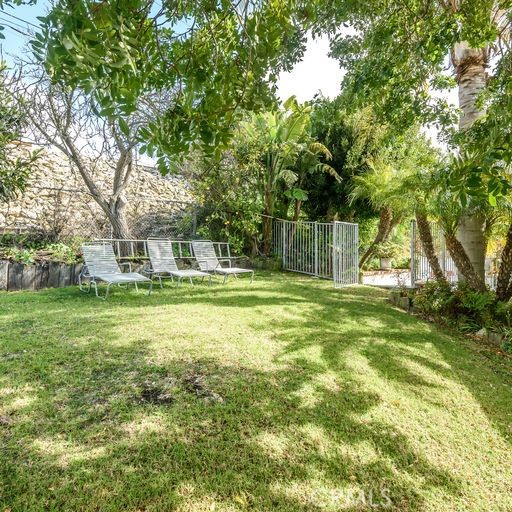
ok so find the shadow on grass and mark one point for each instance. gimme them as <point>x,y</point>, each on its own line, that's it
<point>81,436</point>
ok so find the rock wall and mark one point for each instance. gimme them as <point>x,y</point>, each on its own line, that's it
<point>57,202</point>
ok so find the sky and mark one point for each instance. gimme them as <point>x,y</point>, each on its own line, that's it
<point>316,73</point>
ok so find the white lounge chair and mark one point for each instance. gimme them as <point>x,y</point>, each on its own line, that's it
<point>100,264</point>
<point>164,265</point>
<point>204,253</point>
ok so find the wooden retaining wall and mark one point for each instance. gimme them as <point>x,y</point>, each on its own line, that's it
<point>49,274</point>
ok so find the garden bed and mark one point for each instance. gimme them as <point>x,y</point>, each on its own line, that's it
<point>46,274</point>
<point>404,299</point>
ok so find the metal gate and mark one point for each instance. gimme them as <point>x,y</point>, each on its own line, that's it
<point>420,268</point>
<point>345,254</point>
<point>322,249</point>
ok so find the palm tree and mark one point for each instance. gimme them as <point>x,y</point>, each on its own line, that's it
<point>309,161</point>
<point>286,154</point>
<point>470,65</point>
<point>382,187</point>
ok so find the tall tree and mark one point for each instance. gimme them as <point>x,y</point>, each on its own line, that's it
<point>396,55</point>
<point>281,143</point>
<point>66,120</point>
<point>354,139</point>
<point>219,57</point>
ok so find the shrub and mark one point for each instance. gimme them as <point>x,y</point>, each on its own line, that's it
<point>435,299</point>
<point>25,256</point>
<point>462,307</point>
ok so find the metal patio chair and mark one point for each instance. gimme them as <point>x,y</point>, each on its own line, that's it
<point>207,260</point>
<point>163,264</point>
<point>100,264</point>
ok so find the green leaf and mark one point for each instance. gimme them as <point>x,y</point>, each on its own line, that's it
<point>123,126</point>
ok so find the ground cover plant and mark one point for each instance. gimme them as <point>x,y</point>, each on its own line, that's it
<point>283,395</point>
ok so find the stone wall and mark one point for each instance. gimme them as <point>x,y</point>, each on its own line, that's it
<point>57,201</point>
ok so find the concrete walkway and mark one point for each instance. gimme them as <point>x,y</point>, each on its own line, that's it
<point>388,279</point>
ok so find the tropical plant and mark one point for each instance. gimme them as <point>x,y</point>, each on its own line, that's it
<point>381,186</point>
<point>281,144</point>
<point>354,139</point>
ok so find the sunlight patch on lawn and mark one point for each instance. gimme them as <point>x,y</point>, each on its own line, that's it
<point>143,425</point>
<point>64,452</point>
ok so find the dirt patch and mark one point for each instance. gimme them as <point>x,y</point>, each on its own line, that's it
<point>155,394</point>
<point>195,383</point>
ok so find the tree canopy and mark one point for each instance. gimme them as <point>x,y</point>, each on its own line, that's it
<point>216,58</point>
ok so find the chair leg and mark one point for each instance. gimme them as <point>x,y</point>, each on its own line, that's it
<point>136,287</point>
<point>151,287</point>
<point>252,276</point>
<point>81,285</point>
<point>160,279</point>
<point>225,279</point>
<point>108,289</point>
<point>191,282</point>
<point>209,280</point>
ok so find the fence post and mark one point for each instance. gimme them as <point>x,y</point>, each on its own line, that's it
<point>285,232</point>
<point>316,249</point>
<point>194,221</point>
<point>334,255</point>
<point>413,252</point>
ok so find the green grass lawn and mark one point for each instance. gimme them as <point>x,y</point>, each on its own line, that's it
<point>281,395</point>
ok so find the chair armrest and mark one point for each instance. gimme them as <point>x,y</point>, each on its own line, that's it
<point>224,260</point>
<point>208,261</point>
<point>126,263</point>
<point>146,269</point>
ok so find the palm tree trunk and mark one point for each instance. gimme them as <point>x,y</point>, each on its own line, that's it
<point>470,68</point>
<point>428,246</point>
<point>503,285</point>
<point>383,231</point>
<point>463,263</point>
<point>267,221</point>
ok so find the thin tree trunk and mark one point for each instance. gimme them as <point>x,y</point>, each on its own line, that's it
<point>120,229</point>
<point>470,68</point>
<point>383,231</point>
<point>268,200</point>
<point>428,246</point>
<point>503,285</point>
<point>463,263</point>
<point>296,213</point>
<point>267,233</point>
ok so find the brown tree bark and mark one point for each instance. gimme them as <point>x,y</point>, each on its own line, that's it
<point>463,263</point>
<point>383,231</point>
<point>297,209</point>
<point>268,214</point>
<point>428,246</point>
<point>503,285</point>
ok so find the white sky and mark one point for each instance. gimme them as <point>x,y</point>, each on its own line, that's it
<point>317,72</point>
